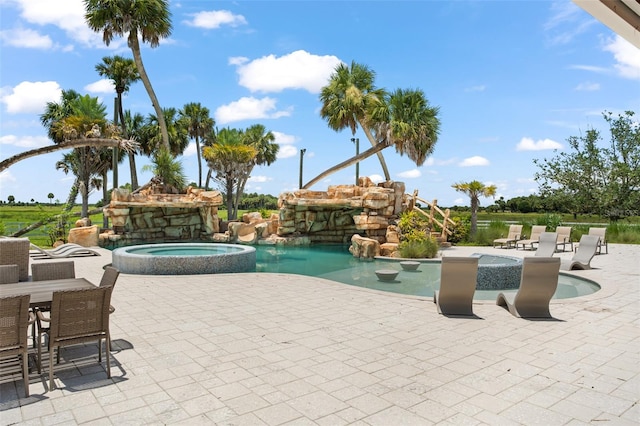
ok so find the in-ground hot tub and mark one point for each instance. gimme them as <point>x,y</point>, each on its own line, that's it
<point>184,259</point>
<point>498,272</point>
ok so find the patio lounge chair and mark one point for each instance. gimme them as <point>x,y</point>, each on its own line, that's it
<point>14,323</point>
<point>77,316</point>
<point>458,277</point>
<point>546,244</point>
<point>515,231</point>
<point>538,283</point>
<point>583,255</point>
<point>62,252</point>
<point>602,233</point>
<point>15,251</point>
<point>564,237</point>
<point>536,230</point>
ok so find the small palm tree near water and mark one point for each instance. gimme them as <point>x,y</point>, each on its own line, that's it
<point>475,190</point>
<point>170,170</point>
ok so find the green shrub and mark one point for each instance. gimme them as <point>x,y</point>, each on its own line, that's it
<point>550,220</point>
<point>426,249</point>
<point>460,230</point>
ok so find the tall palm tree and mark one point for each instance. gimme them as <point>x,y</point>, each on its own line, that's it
<point>149,19</point>
<point>199,124</point>
<point>176,129</point>
<point>123,72</point>
<point>257,137</point>
<point>403,119</point>
<point>230,158</point>
<point>347,98</point>
<point>475,190</point>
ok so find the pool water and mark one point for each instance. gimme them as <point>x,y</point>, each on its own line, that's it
<point>337,264</point>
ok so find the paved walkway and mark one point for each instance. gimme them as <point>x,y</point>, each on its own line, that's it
<point>276,349</point>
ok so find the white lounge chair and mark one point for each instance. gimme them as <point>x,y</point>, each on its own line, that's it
<point>602,233</point>
<point>536,230</point>
<point>458,278</point>
<point>583,255</point>
<point>564,237</point>
<point>538,283</point>
<point>64,251</point>
<point>515,232</point>
<point>546,244</point>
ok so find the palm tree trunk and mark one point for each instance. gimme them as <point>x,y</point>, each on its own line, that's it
<point>206,182</point>
<point>474,216</point>
<point>105,194</point>
<point>199,162</point>
<point>383,163</point>
<point>132,155</point>
<point>77,143</point>
<point>230,213</point>
<point>366,154</point>
<point>135,47</point>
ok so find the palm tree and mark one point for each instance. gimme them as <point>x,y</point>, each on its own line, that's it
<point>165,166</point>
<point>257,137</point>
<point>85,119</point>
<point>149,19</point>
<point>123,72</point>
<point>475,190</point>
<point>347,98</point>
<point>177,131</point>
<point>403,119</point>
<point>199,123</point>
<point>231,159</point>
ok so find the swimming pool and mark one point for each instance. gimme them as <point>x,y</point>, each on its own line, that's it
<point>337,264</point>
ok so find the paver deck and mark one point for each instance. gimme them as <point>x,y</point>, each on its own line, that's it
<point>277,349</point>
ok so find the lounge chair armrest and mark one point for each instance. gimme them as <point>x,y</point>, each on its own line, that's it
<point>41,317</point>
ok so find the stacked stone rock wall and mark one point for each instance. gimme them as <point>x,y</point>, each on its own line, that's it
<point>341,212</point>
<point>149,218</point>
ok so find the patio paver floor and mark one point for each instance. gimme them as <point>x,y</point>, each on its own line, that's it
<point>277,349</point>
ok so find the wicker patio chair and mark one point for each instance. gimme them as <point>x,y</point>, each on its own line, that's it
<point>9,274</point>
<point>50,271</point>
<point>15,251</point>
<point>77,316</point>
<point>14,323</point>
<point>53,270</point>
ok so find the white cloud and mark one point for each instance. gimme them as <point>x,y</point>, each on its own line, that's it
<point>259,179</point>
<point>479,88</point>
<point>6,177</point>
<point>284,139</point>
<point>297,70</point>
<point>215,19</point>
<point>31,96</point>
<point>410,174</point>
<point>25,141</point>
<point>25,38</point>
<point>587,87</point>
<point>474,161</point>
<point>249,108</point>
<point>101,86</point>
<point>190,150</point>
<point>376,178</point>
<point>67,15</point>
<point>528,144</point>
<point>627,57</point>
<point>566,22</point>
<point>287,151</point>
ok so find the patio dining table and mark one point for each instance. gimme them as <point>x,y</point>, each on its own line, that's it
<point>42,291</point>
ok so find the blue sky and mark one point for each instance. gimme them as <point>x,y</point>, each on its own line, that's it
<point>513,80</point>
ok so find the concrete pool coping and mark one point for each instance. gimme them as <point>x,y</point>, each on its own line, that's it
<point>273,349</point>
